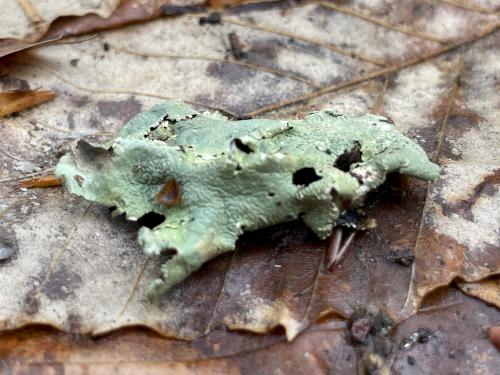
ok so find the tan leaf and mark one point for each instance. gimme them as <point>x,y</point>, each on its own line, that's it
<point>16,101</point>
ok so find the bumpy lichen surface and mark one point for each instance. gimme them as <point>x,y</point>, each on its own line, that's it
<point>213,178</point>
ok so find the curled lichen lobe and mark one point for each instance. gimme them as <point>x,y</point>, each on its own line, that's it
<point>212,179</point>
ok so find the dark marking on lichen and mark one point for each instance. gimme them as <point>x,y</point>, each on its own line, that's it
<point>242,146</point>
<point>79,179</point>
<point>123,110</point>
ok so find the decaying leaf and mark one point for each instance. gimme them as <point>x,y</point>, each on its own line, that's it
<point>429,66</point>
<point>15,101</point>
<point>29,20</point>
<point>235,176</point>
<point>125,12</point>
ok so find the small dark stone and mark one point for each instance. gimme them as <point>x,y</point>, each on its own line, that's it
<point>411,361</point>
<point>73,62</point>
<point>361,328</point>
<point>5,251</point>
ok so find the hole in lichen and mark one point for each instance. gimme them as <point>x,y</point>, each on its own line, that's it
<point>305,176</point>
<point>348,158</point>
<point>151,220</point>
<point>241,146</point>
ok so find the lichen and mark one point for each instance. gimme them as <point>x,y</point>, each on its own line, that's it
<point>212,179</point>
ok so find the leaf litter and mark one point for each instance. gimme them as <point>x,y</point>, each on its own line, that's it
<point>274,278</point>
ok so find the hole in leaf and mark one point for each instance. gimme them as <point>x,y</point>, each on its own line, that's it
<point>151,220</point>
<point>241,146</point>
<point>305,176</point>
<point>348,158</point>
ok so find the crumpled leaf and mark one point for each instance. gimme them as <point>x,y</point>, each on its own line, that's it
<point>15,101</point>
<point>90,273</point>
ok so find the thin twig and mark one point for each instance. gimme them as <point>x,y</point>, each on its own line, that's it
<point>376,21</point>
<point>333,247</point>
<point>471,7</point>
<point>376,74</point>
<point>345,247</point>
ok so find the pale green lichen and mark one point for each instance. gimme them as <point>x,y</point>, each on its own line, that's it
<point>213,178</point>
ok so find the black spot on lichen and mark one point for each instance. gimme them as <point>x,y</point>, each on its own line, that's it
<point>151,220</point>
<point>61,284</point>
<point>241,146</point>
<point>305,176</point>
<point>348,158</point>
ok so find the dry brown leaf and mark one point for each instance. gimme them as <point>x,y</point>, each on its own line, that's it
<point>452,339</point>
<point>438,88</point>
<point>16,101</point>
<point>126,12</point>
